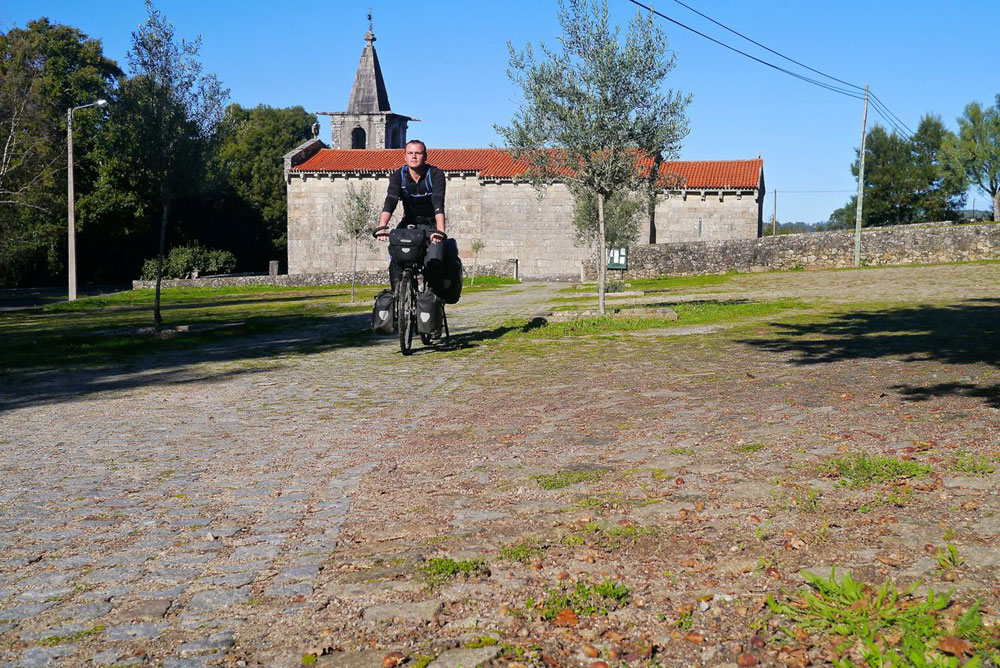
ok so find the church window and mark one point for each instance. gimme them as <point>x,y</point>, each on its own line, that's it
<point>358,138</point>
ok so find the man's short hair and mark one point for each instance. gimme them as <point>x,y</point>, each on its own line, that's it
<point>416,141</point>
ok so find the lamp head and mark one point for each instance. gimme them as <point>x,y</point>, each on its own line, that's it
<point>102,103</point>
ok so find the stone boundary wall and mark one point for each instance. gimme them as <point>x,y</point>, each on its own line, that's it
<point>898,245</point>
<point>505,268</point>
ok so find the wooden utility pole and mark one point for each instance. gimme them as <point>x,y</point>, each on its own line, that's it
<point>861,185</point>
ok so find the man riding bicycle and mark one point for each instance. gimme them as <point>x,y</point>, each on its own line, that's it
<point>421,187</point>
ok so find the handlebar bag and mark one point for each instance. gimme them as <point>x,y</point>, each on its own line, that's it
<point>384,313</point>
<point>407,245</point>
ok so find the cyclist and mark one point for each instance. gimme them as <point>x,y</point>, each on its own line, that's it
<point>421,187</point>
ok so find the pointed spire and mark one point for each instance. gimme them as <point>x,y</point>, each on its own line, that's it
<point>369,94</point>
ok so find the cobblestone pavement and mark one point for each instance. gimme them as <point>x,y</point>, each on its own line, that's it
<point>254,504</point>
<point>158,506</point>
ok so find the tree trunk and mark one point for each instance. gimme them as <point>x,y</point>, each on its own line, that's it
<point>602,258</point>
<point>996,207</point>
<point>159,266</point>
<point>654,174</point>
<point>354,269</point>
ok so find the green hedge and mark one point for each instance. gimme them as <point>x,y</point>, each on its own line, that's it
<point>182,261</point>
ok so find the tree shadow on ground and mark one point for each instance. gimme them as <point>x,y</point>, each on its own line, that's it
<point>955,334</point>
<point>143,360</point>
<point>466,340</point>
<point>146,361</point>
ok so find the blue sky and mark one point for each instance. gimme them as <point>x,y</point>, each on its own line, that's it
<point>445,62</point>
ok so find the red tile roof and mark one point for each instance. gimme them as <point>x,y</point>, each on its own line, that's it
<point>494,163</point>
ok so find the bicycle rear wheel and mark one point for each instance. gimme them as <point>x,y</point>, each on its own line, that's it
<point>406,313</point>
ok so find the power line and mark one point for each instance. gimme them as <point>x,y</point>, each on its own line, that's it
<point>766,48</point>
<point>880,107</point>
<point>835,89</point>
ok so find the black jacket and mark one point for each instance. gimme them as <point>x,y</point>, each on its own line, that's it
<point>418,205</point>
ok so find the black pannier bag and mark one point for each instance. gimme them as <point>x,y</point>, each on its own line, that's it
<point>384,313</point>
<point>428,313</point>
<point>445,266</point>
<point>407,245</point>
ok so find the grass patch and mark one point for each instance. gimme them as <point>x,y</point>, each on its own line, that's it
<point>440,570</point>
<point>96,330</point>
<point>523,552</point>
<point>864,625</point>
<point>582,598</point>
<point>859,469</point>
<point>481,641</point>
<point>421,660</point>
<point>668,283</point>
<point>567,477</point>
<point>972,465</point>
<point>695,313</point>
<point>489,281</point>
<point>948,558</point>
<point>52,641</point>
<point>608,536</point>
<point>747,448</point>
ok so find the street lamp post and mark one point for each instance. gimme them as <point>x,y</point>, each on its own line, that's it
<point>70,203</point>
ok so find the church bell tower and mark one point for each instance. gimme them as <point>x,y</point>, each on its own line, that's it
<point>368,121</point>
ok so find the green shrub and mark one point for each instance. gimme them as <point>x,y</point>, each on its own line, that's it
<point>182,261</point>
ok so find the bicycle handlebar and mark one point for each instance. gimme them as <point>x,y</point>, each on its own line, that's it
<point>386,228</point>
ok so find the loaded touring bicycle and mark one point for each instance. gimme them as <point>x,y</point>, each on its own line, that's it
<point>414,307</point>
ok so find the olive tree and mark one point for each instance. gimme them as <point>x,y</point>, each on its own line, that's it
<point>357,213</point>
<point>595,115</point>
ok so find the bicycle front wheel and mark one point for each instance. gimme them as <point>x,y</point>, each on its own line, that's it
<point>406,313</point>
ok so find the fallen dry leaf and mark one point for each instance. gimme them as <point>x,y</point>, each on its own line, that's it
<point>694,636</point>
<point>567,618</point>
<point>969,505</point>
<point>551,660</point>
<point>794,657</point>
<point>590,651</point>
<point>747,659</point>
<point>955,646</point>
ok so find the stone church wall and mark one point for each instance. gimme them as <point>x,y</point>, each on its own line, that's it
<point>510,218</point>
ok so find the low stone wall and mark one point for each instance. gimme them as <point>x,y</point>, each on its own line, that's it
<point>903,244</point>
<point>506,268</point>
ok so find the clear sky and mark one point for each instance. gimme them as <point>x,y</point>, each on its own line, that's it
<point>444,61</point>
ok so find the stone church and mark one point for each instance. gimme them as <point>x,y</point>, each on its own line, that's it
<point>720,199</point>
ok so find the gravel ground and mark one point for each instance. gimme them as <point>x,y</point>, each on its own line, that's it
<point>280,499</point>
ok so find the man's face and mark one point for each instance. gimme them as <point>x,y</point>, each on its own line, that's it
<point>415,156</point>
